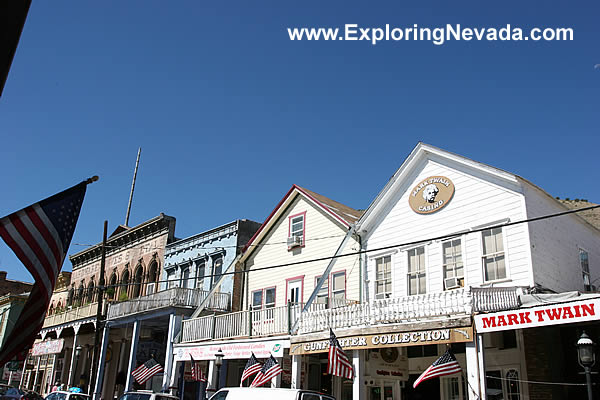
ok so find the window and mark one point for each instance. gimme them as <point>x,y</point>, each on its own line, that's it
<point>217,269</point>
<point>185,276</point>
<point>512,385</point>
<point>323,293</point>
<point>338,285</point>
<point>270,297</point>
<point>297,226</point>
<point>585,269</point>
<point>171,282</point>
<point>493,255</point>
<point>383,277</point>
<point>416,271</point>
<point>428,350</point>
<point>453,264</point>
<point>257,297</point>
<point>200,272</point>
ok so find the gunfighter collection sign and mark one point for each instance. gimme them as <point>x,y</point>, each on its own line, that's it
<point>434,336</point>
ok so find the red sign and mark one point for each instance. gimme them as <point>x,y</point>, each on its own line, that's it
<point>561,313</point>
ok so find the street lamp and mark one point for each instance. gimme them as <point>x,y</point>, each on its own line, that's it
<point>218,362</point>
<point>587,359</point>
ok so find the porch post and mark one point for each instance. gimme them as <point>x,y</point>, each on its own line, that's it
<point>173,378</point>
<point>72,365</point>
<point>37,370</point>
<point>100,377</point>
<point>358,386</point>
<point>132,354</point>
<point>212,377</point>
<point>475,375</point>
<point>174,328</point>
<point>296,372</point>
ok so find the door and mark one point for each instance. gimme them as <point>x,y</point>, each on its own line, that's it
<point>294,294</point>
<point>384,390</point>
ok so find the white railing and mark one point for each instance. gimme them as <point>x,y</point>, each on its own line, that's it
<point>391,310</point>
<point>495,298</point>
<point>86,311</point>
<point>174,297</point>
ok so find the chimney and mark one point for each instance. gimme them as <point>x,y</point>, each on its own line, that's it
<point>3,275</point>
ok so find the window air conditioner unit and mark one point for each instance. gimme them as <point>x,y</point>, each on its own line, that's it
<point>294,241</point>
<point>150,288</point>
<point>452,283</point>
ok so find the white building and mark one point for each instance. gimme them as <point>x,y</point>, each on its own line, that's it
<point>443,226</point>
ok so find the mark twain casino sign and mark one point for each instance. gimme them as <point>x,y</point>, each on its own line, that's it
<point>560,313</point>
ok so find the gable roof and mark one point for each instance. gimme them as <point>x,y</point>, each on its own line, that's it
<point>345,216</point>
<point>423,151</point>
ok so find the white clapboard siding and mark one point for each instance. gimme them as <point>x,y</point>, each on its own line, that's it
<point>273,250</point>
<point>556,242</point>
<point>479,199</point>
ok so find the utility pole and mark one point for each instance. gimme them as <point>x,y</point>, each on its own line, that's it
<point>99,316</point>
<point>137,162</point>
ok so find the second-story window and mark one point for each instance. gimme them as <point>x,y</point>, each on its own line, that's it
<point>296,230</point>
<point>338,285</point>
<point>323,293</point>
<point>200,272</point>
<point>383,277</point>
<point>171,281</point>
<point>494,266</point>
<point>585,269</point>
<point>185,276</point>
<point>217,269</point>
<point>416,271</point>
<point>257,297</point>
<point>270,297</point>
<point>453,264</point>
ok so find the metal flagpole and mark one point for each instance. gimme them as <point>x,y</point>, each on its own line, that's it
<point>137,162</point>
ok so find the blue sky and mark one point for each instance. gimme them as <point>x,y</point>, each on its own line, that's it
<point>230,113</point>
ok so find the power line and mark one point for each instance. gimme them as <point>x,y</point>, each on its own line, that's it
<point>365,251</point>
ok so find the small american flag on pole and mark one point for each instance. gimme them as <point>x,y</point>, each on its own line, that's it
<point>445,365</point>
<point>40,236</point>
<point>339,364</point>
<point>197,374</point>
<point>268,371</point>
<point>251,368</point>
<point>146,371</point>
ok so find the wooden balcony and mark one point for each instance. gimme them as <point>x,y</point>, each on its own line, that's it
<point>174,297</point>
<point>410,309</point>
<point>75,313</point>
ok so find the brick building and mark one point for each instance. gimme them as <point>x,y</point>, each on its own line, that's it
<point>12,286</point>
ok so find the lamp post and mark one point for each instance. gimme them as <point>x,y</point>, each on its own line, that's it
<point>218,362</point>
<point>587,359</point>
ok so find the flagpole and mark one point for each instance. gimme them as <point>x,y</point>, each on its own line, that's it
<point>99,318</point>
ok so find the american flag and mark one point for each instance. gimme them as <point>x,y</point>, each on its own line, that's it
<point>445,365</point>
<point>252,367</point>
<point>339,364</point>
<point>40,236</point>
<point>146,371</point>
<point>268,371</point>
<point>197,374</point>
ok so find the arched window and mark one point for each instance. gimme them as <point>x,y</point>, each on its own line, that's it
<point>70,297</point>
<point>152,285</point>
<point>51,309</point>
<point>137,282</point>
<point>90,292</point>
<point>512,385</point>
<point>124,285</point>
<point>112,287</point>
<point>80,294</point>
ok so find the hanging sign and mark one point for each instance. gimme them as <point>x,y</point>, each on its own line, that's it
<point>431,195</point>
<point>48,347</point>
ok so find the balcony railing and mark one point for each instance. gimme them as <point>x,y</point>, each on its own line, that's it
<point>174,297</point>
<point>391,310</point>
<point>89,310</point>
<point>495,299</point>
<point>266,322</point>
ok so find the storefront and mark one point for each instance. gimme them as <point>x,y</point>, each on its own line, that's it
<point>391,361</point>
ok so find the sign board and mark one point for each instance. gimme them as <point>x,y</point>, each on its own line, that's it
<point>387,363</point>
<point>555,314</point>
<point>48,347</point>
<point>431,195</point>
<point>235,350</point>
<point>434,336</point>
